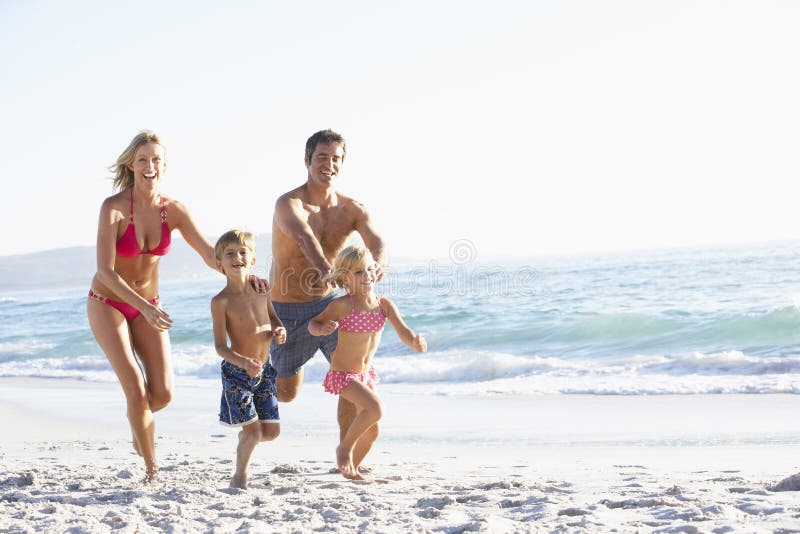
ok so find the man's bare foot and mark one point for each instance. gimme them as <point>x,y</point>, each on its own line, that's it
<point>239,482</point>
<point>151,475</point>
<point>344,460</point>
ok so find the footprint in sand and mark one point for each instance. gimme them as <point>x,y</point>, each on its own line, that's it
<point>289,469</point>
<point>435,502</point>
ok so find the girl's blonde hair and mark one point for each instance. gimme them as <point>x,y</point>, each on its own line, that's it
<point>123,176</point>
<point>348,258</point>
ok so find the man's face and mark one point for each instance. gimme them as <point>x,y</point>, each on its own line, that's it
<point>325,162</point>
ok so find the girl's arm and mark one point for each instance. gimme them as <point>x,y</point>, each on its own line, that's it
<point>328,321</point>
<point>110,218</point>
<point>406,335</point>
<point>219,306</point>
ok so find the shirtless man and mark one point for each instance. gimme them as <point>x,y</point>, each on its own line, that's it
<point>310,226</point>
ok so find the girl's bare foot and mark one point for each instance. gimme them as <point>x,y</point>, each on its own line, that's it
<point>344,460</point>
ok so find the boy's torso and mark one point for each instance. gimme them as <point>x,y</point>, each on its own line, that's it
<point>248,326</point>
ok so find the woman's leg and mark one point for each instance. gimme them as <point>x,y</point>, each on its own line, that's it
<point>370,410</point>
<point>153,349</point>
<point>111,332</point>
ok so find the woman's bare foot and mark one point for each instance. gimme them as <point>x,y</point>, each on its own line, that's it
<point>151,475</point>
<point>136,445</point>
<point>344,460</point>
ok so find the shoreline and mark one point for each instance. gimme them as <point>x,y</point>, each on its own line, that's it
<point>78,471</point>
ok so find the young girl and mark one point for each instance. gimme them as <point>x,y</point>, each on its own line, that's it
<point>359,316</point>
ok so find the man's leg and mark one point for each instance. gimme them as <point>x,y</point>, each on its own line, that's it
<point>289,387</point>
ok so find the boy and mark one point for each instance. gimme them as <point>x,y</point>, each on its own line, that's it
<point>249,398</point>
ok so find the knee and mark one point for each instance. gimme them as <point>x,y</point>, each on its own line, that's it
<point>287,391</point>
<point>137,400</point>
<point>376,409</point>
<point>160,399</point>
<point>270,431</point>
<point>251,433</point>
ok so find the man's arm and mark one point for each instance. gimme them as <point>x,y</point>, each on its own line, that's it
<point>372,240</point>
<point>292,220</point>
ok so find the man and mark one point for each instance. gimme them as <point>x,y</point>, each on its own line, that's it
<point>310,226</point>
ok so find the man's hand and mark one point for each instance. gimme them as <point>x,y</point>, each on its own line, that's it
<point>259,284</point>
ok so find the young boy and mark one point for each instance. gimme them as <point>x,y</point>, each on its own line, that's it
<point>249,398</point>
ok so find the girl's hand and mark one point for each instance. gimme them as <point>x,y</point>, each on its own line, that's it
<point>252,367</point>
<point>328,328</point>
<point>158,318</point>
<point>419,344</point>
<point>279,335</point>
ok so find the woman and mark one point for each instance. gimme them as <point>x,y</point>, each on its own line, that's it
<point>123,309</point>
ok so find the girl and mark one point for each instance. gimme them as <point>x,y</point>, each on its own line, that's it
<point>359,316</point>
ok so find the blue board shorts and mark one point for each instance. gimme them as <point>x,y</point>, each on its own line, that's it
<point>300,345</point>
<point>246,400</point>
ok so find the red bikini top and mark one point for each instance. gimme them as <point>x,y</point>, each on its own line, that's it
<point>128,247</point>
<point>363,322</point>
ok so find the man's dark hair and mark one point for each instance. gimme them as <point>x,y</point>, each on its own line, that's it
<point>325,137</point>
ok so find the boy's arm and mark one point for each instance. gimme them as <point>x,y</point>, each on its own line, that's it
<point>278,330</point>
<point>328,321</point>
<point>406,335</point>
<point>218,307</point>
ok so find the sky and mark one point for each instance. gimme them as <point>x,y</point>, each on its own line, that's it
<point>514,128</point>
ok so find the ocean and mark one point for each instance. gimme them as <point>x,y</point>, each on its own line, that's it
<point>687,321</point>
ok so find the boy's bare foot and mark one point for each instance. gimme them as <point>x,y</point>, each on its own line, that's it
<point>364,469</point>
<point>344,460</point>
<point>151,475</point>
<point>239,482</point>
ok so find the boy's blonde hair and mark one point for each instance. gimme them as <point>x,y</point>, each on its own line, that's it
<point>234,237</point>
<point>347,259</point>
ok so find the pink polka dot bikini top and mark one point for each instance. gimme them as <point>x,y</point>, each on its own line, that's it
<point>363,322</point>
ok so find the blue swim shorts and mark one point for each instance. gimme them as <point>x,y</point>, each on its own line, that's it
<point>300,345</point>
<point>246,400</point>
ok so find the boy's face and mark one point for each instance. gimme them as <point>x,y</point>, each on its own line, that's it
<point>235,259</point>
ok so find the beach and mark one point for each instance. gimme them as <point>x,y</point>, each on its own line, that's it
<point>695,463</point>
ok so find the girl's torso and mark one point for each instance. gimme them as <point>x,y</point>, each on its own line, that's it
<point>359,338</point>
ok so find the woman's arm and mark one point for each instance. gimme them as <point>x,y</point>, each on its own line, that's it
<point>185,224</point>
<point>406,335</point>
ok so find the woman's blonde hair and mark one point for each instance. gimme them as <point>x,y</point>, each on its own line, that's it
<point>123,176</point>
<point>347,259</point>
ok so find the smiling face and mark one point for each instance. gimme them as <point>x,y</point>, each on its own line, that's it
<point>236,260</point>
<point>360,278</point>
<point>149,165</point>
<point>325,162</point>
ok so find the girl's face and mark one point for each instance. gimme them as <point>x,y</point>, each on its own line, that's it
<point>360,278</point>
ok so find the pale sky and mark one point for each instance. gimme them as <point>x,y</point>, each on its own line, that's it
<point>528,128</point>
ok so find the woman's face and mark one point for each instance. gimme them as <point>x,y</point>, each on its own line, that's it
<point>149,164</point>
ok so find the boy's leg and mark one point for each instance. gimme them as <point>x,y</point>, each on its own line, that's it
<point>249,437</point>
<point>369,412</point>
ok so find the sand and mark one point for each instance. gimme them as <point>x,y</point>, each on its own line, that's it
<point>554,464</point>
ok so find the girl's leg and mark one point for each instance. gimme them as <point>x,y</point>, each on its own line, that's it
<point>364,444</point>
<point>369,412</point>
<point>249,437</point>
<point>111,332</point>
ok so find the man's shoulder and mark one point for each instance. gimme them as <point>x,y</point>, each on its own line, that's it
<point>297,194</point>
